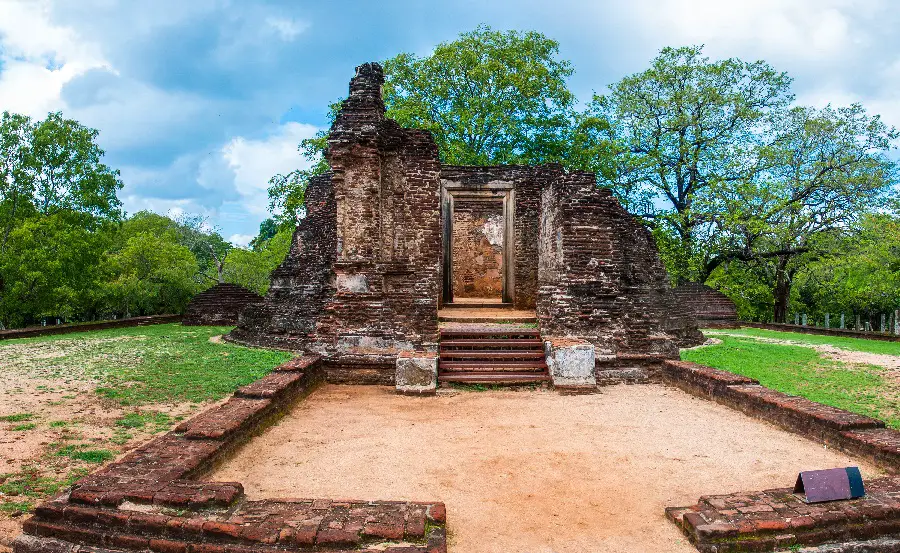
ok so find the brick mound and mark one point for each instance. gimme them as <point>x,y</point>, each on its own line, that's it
<point>711,308</point>
<point>152,499</point>
<point>776,520</point>
<point>221,305</point>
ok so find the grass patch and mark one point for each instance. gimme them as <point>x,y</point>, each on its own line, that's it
<point>852,344</point>
<point>20,417</point>
<point>78,453</point>
<point>140,419</point>
<point>19,490</point>
<point>24,427</point>
<point>800,371</point>
<point>58,424</point>
<point>152,364</point>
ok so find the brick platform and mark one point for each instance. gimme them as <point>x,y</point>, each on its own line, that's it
<point>777,520</point>
<point>152,498</point>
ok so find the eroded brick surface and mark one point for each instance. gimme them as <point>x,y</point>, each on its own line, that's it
<point>221,305</point>
<point>363,279</point>
<point>777,519</point>
<point>221,422</point>
<point>799,412</point>
<point>711,308</point>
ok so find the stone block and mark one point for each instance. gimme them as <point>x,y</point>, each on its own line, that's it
<point>417,372</point>
<point>570,362</point>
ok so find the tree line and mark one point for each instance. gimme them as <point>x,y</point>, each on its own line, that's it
<point>781,206</point>
<point>69,253</point>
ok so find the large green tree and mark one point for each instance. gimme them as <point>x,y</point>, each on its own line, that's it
<point>488,97</point>
<point>825,170</point>
<point>665,137</point>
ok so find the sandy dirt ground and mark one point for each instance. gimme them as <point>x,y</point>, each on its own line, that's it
<point>32,383</point>
<point>528,471</point>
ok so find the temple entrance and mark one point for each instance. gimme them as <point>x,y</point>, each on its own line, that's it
<point>478,235</point>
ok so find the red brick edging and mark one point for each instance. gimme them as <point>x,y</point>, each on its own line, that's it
<point>31,332</point>
<point>152,499</point>
<point>782,327</point>
<point>775,520</point>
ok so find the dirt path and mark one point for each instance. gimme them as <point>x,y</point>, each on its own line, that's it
<point>528,471</point>
<point>890,362</point>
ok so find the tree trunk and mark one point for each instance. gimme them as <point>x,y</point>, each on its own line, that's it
<point>782,291</point>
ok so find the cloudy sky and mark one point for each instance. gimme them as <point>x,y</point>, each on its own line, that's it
<point>199,102</point>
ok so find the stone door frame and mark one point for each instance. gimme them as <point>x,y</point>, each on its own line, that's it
<point>493,191</point>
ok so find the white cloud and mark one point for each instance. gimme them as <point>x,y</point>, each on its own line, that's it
<point>287,29</point>
<point>241,240</point>
<point>39,58</point>
<point>254,162</point>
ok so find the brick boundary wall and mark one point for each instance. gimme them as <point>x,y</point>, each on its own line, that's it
<point>775,520</point>
<point>31,332</point>
<point>823,331</point>
<point>153,498</point>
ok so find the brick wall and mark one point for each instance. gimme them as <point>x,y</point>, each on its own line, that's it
<point>600,278</point>
<point>362,278</point>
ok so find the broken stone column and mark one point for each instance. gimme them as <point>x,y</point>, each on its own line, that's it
<point>417,372</point>
<point>570,362</point>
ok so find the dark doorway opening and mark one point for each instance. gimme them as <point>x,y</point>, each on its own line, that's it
<point>478,240</point>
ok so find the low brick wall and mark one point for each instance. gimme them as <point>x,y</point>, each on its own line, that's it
<point>824,331</point>
<point>33,331</point>
<point>776,520</point>
<point>153,498</point>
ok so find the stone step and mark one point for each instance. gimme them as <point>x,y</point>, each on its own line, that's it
<point>488,365</point>
<point>489,333</point>
<point>530,344</point>
<point>492,354</point>
<point>494,377</point>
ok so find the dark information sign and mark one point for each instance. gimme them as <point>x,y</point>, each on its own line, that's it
<point>817,486</point>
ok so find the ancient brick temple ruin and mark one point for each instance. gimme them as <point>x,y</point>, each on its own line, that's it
<point>372,261</point>
<point>711,308</point>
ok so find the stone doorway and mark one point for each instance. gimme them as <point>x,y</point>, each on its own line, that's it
<point>477,240</point>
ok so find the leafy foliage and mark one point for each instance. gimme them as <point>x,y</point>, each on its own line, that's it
<point>488,97</point>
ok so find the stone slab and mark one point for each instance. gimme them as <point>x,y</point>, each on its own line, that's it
<point>417,372</point>
<point>570,362</point>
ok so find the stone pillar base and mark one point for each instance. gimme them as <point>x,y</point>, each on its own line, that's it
<point>571,363</point>
<point>417,372</point>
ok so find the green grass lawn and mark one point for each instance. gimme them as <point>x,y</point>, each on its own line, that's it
<point>143,379</point>
<point>802,371</point>
<point>150,364</point>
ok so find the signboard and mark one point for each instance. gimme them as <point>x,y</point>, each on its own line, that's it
<point>817,486</point>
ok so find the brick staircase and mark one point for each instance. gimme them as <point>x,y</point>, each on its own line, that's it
<point>491,354</point>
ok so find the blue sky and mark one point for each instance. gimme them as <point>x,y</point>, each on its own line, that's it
<point>200,102</point>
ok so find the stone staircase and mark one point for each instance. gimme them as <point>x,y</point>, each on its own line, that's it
<point>508,354</point>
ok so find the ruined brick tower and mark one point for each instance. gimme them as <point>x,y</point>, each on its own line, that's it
<point>369,265</point>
